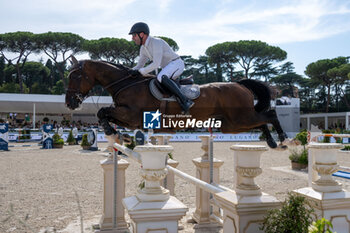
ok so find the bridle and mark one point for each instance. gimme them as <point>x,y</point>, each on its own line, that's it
<point>76,92</point>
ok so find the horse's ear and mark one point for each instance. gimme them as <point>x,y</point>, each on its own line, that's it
<point>74,61</point>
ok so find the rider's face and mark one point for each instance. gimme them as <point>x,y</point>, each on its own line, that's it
<point>136,38</point>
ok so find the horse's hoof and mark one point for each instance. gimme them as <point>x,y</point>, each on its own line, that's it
<point>271,143</point>
<point>127,139</point>
<point>281,147</point>
<point>110,131</point>
<point>291,142</point>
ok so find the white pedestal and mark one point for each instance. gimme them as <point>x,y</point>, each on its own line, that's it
<point>205,212</point>
<point>334,206</point>
<point>202,212</point>
<point>244,213</point>
<point>106,222</point>
<point>245,208</point>
<point>152,209</point>
<point>326,195</point>
<point>170,178</point>
<point>157,216</point>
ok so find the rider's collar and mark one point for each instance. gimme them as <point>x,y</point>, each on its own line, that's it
<point>147,41</point>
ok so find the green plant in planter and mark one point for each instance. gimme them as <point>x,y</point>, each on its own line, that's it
<point>346,148</point>
<point>132,144</point>
<point>328,131</point>
<point>70,139</point>
<point>262,137</point>
<point>294,216</point>
<point>298,156</point>
<point>321,225</point>
<point>302,137</point>
<point>84,141</point>
<point>57,141</point>
<point>326,139</point>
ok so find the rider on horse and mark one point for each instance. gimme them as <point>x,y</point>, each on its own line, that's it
<point>161,55</point>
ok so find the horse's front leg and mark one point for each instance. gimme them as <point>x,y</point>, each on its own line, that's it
<point>104,114</point>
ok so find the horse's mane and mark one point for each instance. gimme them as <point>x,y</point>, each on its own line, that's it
<point>124,68</point>
<point>118,66</point>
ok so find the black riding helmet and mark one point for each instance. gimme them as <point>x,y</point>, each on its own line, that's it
<point>139,27</point>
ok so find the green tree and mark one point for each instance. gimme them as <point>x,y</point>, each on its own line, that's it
<point>254,57</point>
<point>172,43</point>
<point>59,46</point>
<point>2,68</point>
<point>12,88</point>
<point>54,73</point>
<point>265,70</point>
<point>287,78</point>
<point>39,88</point>
<point>58,89</point>
<point>318,72</point>
<point>223,58</point>
<point>200,69</point>
<point>32,72</point>
<point>340,75</point>
<point>252,54</point>
<point>112,50</point>
<point>22,44</point>
<point>36,72</point>
<point>307,95</point>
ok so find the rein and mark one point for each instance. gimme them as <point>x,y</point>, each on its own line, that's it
<point>121,84</point>
<point>126,87</point>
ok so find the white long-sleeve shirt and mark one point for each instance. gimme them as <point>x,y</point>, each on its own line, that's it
<point>157,51</point>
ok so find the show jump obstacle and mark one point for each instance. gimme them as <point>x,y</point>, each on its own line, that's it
<point>4,136</point>
<point>155,209</point>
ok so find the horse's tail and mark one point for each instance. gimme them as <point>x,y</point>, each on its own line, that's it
<point>261,91</point>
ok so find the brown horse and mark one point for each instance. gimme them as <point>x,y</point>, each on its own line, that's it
<point>231,103</point>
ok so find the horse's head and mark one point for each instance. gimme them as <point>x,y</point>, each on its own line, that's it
<point>79,84</point>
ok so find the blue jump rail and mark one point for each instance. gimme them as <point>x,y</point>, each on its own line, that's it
<point>342,174</point>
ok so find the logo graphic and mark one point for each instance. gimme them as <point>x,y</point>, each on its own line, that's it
<point>4,128</point>
<point>151,120</point>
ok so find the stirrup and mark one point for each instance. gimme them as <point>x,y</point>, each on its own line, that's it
<point>186,107</point>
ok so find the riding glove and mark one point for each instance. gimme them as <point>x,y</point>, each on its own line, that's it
<point>134,73</point>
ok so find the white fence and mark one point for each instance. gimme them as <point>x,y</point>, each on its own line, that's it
<point>155,209</point>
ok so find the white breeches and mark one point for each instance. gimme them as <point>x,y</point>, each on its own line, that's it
<point>173,70</point>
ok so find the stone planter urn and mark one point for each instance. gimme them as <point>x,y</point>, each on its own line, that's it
<point>298,166</point>
<point>153,171</point>
<point>58,146</point>
<point>247,167</point>
<point>325,164</point>
<point>86,147</point>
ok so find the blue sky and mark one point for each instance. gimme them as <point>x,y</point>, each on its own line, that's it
<point>308,30</point>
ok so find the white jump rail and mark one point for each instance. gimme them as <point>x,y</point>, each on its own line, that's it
<point>204,185</point>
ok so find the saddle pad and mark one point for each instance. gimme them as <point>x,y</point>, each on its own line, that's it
<point>190,91</point>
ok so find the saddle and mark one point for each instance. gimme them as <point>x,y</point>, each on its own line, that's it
<point>186,85</point>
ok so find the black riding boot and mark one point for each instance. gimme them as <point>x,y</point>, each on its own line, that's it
<point>185,103</point>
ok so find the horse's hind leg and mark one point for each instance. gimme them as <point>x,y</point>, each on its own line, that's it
<point>272,116</point>
<point>269,140</point>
